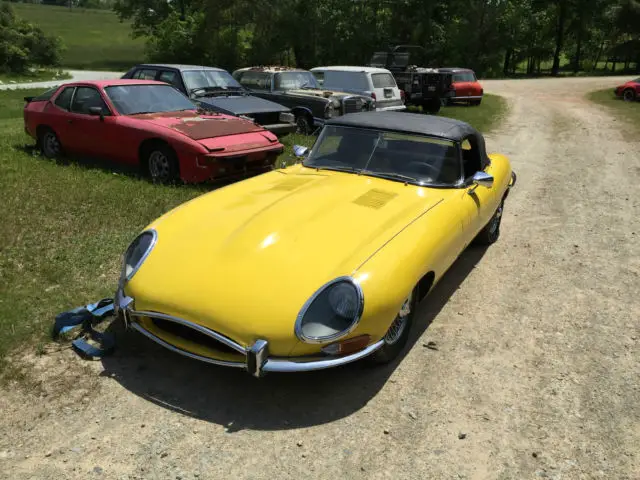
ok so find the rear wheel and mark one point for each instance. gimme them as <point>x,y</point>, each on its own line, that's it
<point>476,102</point>
<point>49,143</point>
<point>431,105</point>
<point>629,95</point>
<point>396,337</point>
<point>491,232</point>
<point>162,164</point>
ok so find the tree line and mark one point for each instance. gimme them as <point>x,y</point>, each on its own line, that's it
<point>494,37</point>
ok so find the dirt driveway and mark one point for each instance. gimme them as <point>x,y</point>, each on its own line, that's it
<point>535,371</point>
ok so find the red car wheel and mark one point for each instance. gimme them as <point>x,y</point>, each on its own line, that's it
<point>629,95</point>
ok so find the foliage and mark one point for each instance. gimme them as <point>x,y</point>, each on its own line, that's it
<point>94,39</point>
<point>492,36</point>
<point>63,237</point>
<point>23,45</point>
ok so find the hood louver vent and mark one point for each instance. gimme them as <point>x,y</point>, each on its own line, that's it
<point>375,198</point>
<point>290,184</point>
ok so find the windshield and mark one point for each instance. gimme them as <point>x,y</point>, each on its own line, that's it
<point>292,80</point>
<point>136,99</point>
<point>410,158</point>
<point>209,80</point>
<point>464,77</point>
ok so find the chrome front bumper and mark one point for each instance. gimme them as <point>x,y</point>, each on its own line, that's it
<point>257,361</point>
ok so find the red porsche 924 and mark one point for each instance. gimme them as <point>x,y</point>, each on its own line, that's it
<point>150,124</point>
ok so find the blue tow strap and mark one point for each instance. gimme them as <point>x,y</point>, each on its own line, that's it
<point>86,317</point>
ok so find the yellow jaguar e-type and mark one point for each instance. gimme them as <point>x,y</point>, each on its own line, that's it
<point>321,263</point>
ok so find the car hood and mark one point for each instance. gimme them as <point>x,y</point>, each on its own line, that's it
<point>257,250</point>
<point>198,127</point>
<point>242,105</point>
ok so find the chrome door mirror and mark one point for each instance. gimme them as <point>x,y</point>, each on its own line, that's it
<point>300,151</point>
<point>483,179</point>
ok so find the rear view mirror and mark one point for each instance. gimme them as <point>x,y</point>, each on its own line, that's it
<point>483,179</point>
<point>300,151</point>
<point>97,111</point>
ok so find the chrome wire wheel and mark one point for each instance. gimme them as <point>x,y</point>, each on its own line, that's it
<point>159,166</point>
<point>494,225</point>
<point>400,322</point>
<point>50,145</point>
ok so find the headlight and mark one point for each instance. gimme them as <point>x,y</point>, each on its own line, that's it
<point>286,117</point>
<point>330,111</point>
<point>332,312</point>
<point>136,254</point>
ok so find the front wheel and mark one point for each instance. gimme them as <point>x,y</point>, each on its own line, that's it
<point>162,164</point>
<point>629,95</point>
<point>491,232</point>
<point>396,337</point>
<point>303,124</point>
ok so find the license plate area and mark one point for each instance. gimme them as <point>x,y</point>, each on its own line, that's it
<point>237,162</point>
<point>388,93</point>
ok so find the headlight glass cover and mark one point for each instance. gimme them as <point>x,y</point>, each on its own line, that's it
<point>137,252</point>
<point>332,312</point>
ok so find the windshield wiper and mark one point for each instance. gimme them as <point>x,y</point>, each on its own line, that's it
<point>336,168</point>
<point>390,175</point>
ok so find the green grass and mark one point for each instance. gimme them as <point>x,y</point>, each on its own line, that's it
<point>65,225</point>
<point>38,75</point>
<point>627,110</point>
<point>94,39</point>
<point>484,118</point>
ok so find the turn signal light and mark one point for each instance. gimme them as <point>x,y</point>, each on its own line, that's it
<point>350,345</point>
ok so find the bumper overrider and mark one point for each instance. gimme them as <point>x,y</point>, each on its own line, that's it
<point>256,357</point>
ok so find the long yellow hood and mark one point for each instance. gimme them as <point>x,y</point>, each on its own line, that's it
<point>242,260</point>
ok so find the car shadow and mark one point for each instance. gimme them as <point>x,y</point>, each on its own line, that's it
<point>237,401</point>
<point>118,168</point>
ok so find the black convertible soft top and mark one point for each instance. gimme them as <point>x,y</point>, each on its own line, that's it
<point>441,127</point>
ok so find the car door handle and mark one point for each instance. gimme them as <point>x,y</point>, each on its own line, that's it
<point>69,121</point>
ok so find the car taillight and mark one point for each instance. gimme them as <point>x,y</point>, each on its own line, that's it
<point>373,95</point>
<point>402,95</point>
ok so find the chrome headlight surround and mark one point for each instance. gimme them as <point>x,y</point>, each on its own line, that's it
<point>134,256</point>
<point>355,303</point>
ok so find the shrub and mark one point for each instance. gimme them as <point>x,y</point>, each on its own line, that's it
<point>23,45</point>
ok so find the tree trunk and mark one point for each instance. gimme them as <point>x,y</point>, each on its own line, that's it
<point>507,58</point>
<point>576,65</point>
<point>595,63</point>
<point>562,11</point>
<point>613,66</point>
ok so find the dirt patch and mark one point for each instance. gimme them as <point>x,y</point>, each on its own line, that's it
<point>533,370</point>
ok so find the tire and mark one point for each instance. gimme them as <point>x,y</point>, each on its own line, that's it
<point>304,124</point>
<point>161,163</point>
<point>476,102</point>
<point>431,105</point>
<point>629,95</point>
<point>396,337</point>
<point>491,231</point>
<point>49,143</point>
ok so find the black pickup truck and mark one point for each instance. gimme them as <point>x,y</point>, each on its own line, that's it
<point>299,90</point>
<point>423,86</point>
<point>215,89</point>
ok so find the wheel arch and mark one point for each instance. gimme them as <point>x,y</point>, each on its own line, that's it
<point>425,284</point>
<point>149,143</point>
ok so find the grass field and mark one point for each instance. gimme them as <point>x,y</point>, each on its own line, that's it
<point>627,110</point>
<point>65,225</point>
<point>94,39</point>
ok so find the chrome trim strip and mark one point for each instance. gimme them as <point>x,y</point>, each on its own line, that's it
<point>292,365</point>
<point>205,331</point>
<point>124,278</point>
<point>307,304</point>
<point>151,336</point>
<point>465,98</point>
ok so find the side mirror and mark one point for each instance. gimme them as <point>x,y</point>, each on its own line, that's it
<point>96,111</point>
<point>483,179</point>
<point>300,151</point>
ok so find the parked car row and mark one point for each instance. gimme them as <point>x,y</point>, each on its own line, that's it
<point>197,123</point>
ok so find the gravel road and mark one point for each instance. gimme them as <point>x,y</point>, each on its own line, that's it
<point>76,75</point>
<point>534,370</point>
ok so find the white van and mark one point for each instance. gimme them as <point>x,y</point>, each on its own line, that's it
<point>377,83</point>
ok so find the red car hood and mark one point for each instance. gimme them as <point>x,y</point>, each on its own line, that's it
<point>199,127</point>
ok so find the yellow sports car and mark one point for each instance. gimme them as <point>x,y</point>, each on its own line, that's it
<point>321,263</point>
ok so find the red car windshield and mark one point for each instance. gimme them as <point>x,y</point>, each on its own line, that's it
<point>137,99</point>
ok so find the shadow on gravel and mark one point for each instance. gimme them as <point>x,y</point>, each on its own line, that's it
<point>232,398</point>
